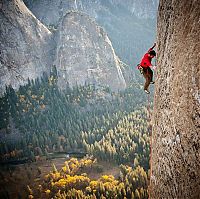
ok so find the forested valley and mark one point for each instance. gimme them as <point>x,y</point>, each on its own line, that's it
<point>39,119</point>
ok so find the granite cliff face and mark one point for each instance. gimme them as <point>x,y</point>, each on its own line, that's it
<point>176,122</point>
<point>80,49</point>
<point>84,56</point>
<point>24,47</point>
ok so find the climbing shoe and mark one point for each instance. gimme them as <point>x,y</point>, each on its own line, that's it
<point>152,82</point>
<point>146,91</point>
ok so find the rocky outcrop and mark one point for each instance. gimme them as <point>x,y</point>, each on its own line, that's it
<point>83,56</point>
<point>24,47</point>
<point>176,122</point>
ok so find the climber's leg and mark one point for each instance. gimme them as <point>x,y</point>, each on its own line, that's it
<point>150,72</point>
<point>148,80</point>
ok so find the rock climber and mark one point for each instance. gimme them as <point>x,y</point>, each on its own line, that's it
<point>145,68</point>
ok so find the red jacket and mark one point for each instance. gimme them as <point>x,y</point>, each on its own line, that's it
<point>146,60</point>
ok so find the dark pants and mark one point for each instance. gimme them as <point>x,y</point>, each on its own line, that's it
<point>148,75</point>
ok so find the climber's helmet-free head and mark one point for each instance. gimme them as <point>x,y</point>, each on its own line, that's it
<point>152,53</point>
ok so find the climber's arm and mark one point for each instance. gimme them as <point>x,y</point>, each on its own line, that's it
<point>152,47</point>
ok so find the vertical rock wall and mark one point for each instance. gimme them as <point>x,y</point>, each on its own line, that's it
<point>176,120</point>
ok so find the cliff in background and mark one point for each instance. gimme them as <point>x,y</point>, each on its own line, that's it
<point>176,122</point>
<point>24,45</point>
<point>80,48</point>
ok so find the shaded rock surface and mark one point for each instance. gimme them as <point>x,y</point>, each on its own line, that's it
<point>176,121</point>
<point>24,48</point>
<point>80,49</point>
<point>83,56</point>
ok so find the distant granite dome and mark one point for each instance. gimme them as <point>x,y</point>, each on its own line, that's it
<point>85,53</point>
<point>24,49</point>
